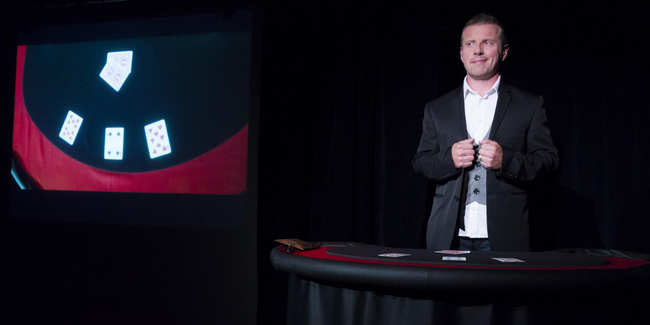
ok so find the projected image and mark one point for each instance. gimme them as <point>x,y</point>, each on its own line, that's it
<point>70,127</point>
<point>114,143</point>
<point>117,68</point>
<point>105,115</point>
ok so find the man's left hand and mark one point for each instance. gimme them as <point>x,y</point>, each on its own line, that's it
<point>490,154</point>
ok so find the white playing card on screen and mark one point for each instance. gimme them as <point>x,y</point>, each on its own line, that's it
<point>157,139</point>
<point>114,74</point>
<point>114,143</point>
<point>123,59</point>
<point>70,127</point>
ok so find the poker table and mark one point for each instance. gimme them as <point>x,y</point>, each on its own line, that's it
<point>353,283</point>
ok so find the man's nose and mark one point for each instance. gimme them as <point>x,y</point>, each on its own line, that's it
<point>478,50</point>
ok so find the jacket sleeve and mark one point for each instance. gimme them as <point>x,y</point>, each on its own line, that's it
<point>433,159</point>
<point>540,158</point>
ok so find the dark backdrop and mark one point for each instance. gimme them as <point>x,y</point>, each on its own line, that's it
<point>343,90</point>
<point>343,94</point>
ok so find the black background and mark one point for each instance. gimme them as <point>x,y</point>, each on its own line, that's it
<point>343,87</point>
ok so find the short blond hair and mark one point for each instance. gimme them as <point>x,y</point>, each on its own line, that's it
<point>486,19</point>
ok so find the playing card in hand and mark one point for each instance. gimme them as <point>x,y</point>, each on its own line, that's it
<point>114,143</point>
<point>70,127</point>
<point>157,139</point>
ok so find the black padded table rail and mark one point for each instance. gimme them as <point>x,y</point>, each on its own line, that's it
<point>584,275</point>
<point>480,259</point>
<point>348,283</point>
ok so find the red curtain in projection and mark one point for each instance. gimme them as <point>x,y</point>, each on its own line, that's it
<point>222,170</point>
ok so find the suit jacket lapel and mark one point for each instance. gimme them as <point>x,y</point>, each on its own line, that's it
<point>458,115</point>
<point>502,106</point>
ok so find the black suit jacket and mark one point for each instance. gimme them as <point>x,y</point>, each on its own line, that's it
<point>520,128</point>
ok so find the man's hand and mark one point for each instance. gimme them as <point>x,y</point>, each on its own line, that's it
<point>462,152</point>
<point>490,155</point>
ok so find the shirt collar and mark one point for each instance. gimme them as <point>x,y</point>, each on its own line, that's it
<point>468,90</point>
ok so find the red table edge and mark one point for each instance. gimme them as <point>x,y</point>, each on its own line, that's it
<point>321,253</point>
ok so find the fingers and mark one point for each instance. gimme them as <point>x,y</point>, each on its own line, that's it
<point>467,144</point>
<point>463,161</point>
<point>490,154</point>
<point>486,152</point>
<point>488,145</point>
<point>489,148</point>
<point>486,161</point>
<point>462,152</point>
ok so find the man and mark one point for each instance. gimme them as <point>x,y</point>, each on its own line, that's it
<point>483,144</point>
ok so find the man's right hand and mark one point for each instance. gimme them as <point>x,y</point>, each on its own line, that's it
<point>462,152</point>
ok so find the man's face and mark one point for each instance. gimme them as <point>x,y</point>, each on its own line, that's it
<point>482,51</point>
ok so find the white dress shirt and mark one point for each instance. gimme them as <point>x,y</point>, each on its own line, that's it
<point>479,114</point>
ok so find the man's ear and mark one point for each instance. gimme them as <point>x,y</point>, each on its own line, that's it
<point>504,54</point>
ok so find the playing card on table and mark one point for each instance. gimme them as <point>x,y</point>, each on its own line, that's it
<point>394,255</point>
<point>157,139</point>
<point>455,252</point>
<point>70,127</point>
<point>508,260</point>
<point>123,59</point>
<point>114,143</point>
<point>114,74</point>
